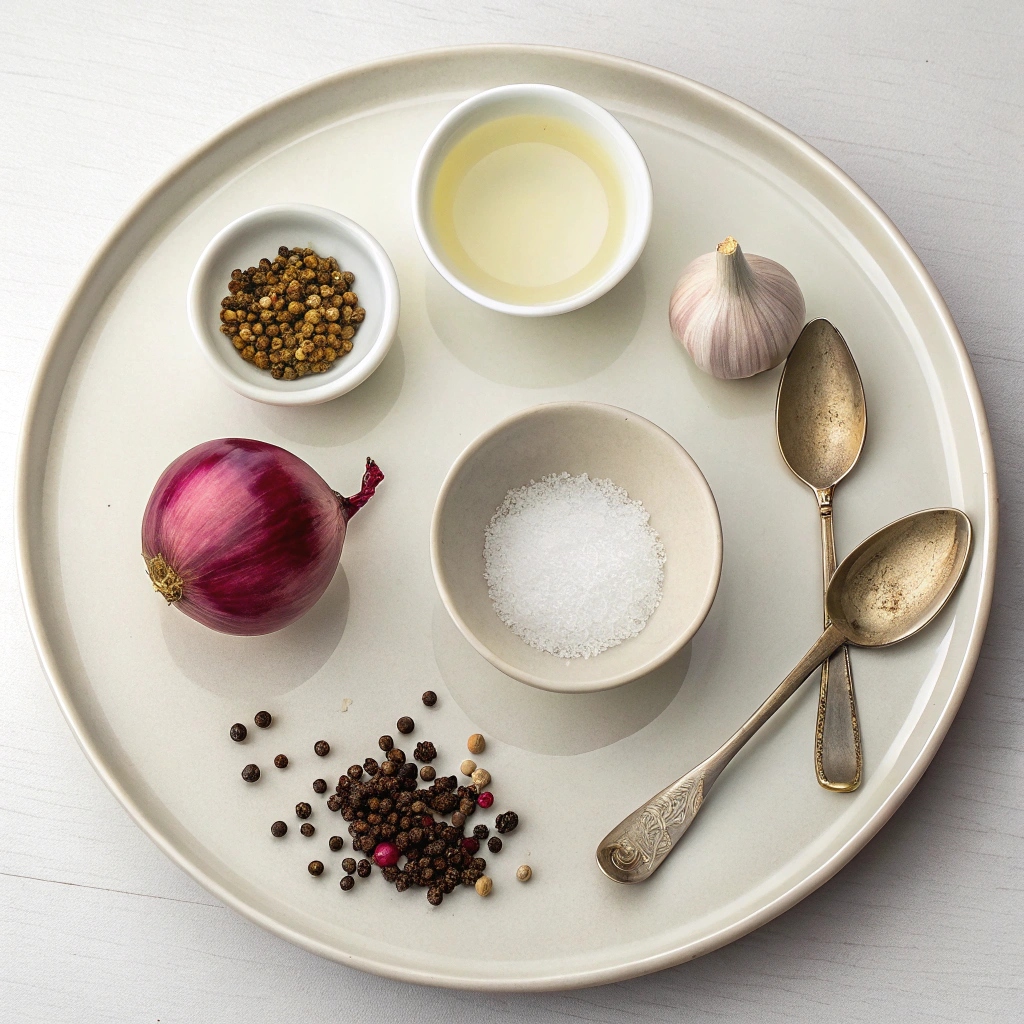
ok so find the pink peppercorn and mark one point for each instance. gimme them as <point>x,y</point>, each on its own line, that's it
<point>470,845</point>
<point>385,855</point>
<point>485,800</point>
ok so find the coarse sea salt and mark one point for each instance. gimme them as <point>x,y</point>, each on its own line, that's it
<point>572,565</point>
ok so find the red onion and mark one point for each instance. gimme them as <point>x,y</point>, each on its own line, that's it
<point>243,536</point>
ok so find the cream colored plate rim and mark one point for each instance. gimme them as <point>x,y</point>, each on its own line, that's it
<point>131,234</point>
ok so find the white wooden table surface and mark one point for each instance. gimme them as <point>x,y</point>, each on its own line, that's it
<point>921,101</point>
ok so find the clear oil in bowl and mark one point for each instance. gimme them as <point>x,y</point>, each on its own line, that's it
<point>528,209</point>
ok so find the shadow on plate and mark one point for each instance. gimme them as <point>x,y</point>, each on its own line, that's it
<point>542,721</point>
<point>346,418</point>
<point>266,666</point>
<point>536,352</point>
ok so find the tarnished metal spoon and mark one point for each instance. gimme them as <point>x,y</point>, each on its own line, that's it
<point>886,589</point>
<point>820,419</point>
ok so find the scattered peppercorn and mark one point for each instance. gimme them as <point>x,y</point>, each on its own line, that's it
<point>316,867</point>
<point>346,883</point>
<point>425,751</point>
<point>293,316</point>
<point>385,743</point>
<point>363,869</point>
<point>281,761</point>
<point>506,822</point>
<point>476,743</point>
<point>303,810</point>
<point>348,865</point>
<point>385,855</point>
<point>396,756</point>
<point>238,732</point>
<point>263,719</point>
<point>481,777</point>
<point>307,829</point>
<point>471,844</point>
<point>481,832</point>
<point>524,872</point>
<point>485,800</point>
<point>251,773</point>
<point>335,843</point>
<point>427,773</point>
<point>484,885</point>
<point>405,725</point>
<point>494,844</point>
<point>429,698</point>
<point>334,802</point>
<point>458,819</point>
<point>435,895</point>
<point>467,767</point>
<point>355,773</point>
<point>319,786</point>
<point>321,748</point>
<point>278,829</point>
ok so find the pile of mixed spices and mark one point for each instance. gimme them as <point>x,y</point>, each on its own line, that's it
<point>293,316</point>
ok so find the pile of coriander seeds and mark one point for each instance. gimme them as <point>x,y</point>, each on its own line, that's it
<point>399,825</point>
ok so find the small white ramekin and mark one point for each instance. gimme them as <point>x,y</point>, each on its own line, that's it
<point>508,101</point>
<point>243,243</point>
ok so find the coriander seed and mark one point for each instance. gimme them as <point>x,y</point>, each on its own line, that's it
<point>251,773</point>
<point>476,743</point>
<point>278,829</point>
<point>263,719</point>
<point>524,872</point>
<point>237,732</point>
<point>315,868</point>
<point>484,885</point>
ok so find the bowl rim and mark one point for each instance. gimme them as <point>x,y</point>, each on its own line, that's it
<point>333,386</point>
<point>609,681</point>
<point>642,191</point>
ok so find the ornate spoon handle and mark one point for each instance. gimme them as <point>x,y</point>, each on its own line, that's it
<point>838,760</point>
<point>635,848</point>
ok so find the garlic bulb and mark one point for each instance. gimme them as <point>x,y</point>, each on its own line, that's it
<point>736,315</point>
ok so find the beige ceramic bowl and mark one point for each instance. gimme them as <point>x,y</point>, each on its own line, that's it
<point>605,442</point>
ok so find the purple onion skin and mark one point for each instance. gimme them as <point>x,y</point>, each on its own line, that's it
<point>254,533</point>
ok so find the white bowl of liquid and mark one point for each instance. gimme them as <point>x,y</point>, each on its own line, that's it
<point>532,200</point>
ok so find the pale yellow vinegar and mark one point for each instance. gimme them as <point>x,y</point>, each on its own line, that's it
<point>528,209</point>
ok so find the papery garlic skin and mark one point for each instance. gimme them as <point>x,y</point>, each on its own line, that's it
<point>736,315</point>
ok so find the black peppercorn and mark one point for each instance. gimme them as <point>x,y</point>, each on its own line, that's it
<point>429,698</point>
<point>425,751</point>
<point>334,802</point>
<point>427,773</point>
<point>494,844</point>
<point>506,822</point>
<point>348,865</point>
<point>263,719</point>
<point>307,829</point>
<point>363,868</point>
<point>238,732</point>
<point>355,773</point>
<point>278,829</point>
<point>281,761</point>
<point>388,768</point>
<point>321,748</point>
<point>396,755</point>
<point>335,843</point>
<point>315,867</point>
<point>251,773</point>
<point>303,810</point>
<point>319,786</point>
<point>385,743</point>
<point>435,895</point>
<point>405,725</point>
<point>481,832</point>
<point>346,883</point>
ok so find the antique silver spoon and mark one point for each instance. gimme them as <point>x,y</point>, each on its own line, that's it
<point>820,420</point>
<point>885,590</point>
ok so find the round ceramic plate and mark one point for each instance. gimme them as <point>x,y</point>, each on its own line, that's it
<point>151,694</point>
